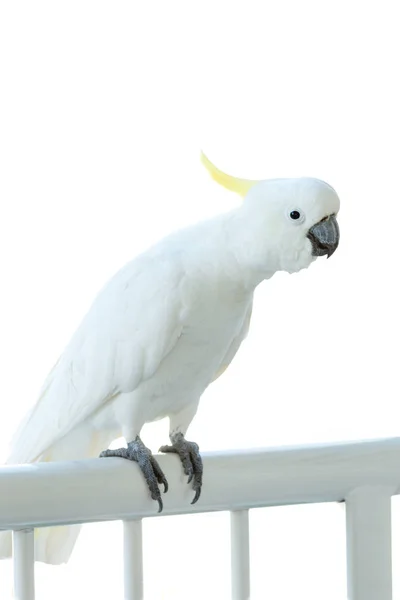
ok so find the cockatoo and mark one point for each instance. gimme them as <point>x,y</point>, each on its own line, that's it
<point>166,326</point>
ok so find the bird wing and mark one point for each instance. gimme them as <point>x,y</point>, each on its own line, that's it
<point>236,343</point>
<point>133,324</point>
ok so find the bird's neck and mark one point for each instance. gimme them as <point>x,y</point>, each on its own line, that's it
<point>230,249</point>
<point>248,248</point>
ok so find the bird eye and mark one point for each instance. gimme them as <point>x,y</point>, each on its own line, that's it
<point>296,216</point>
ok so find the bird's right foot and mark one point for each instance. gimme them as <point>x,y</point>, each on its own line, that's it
<point>137,452</point>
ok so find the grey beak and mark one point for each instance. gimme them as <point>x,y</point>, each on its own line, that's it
<point>324,236</point>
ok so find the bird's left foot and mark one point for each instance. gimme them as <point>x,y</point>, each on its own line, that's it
<point>191,461</point>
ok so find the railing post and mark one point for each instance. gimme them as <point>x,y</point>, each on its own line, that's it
<point>24,564</point>
<point>240,555</point>
<point>369,544</point>
<point>133,560</point>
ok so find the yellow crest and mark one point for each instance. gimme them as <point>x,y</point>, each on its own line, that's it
<point>234,184</point>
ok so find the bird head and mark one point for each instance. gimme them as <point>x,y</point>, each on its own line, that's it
<point>290,221</point>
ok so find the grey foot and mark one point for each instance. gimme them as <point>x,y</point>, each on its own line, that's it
<point>137,452</point>
<point>191,461</point>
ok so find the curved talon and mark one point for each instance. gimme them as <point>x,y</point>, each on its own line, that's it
<point>159,474</point>
<point>196,496</point>
<point>157,498</point>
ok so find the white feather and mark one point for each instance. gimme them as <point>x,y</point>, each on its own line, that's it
<point>162,330</point>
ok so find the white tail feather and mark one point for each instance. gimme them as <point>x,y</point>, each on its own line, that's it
<point>54,545</point>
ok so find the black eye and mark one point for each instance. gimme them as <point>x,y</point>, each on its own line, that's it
<point>295,215</point>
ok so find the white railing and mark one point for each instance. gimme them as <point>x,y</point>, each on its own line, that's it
<point>364,474</point>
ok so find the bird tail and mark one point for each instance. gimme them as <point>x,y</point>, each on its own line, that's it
<point>54,545</point>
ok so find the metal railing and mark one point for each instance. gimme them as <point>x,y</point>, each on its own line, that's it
<point>364,474</point>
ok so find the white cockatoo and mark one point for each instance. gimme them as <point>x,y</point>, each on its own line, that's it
<point>165,327</point>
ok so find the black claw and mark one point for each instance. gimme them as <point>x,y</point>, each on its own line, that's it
<point>159,474</point>
<point>196,496</point>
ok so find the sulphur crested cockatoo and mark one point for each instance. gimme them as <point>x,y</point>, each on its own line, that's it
<point>166,326</point>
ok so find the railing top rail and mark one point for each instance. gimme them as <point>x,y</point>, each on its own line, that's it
<point>100,490</point>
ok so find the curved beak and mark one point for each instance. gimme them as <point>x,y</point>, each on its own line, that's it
<point>324,236</point>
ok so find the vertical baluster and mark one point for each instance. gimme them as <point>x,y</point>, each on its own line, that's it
<point>133,560</point>
<point>369,544</point>
<point>24,564</point>
<point>240,555</point>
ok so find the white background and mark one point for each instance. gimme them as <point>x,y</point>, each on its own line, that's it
<point>103,110</point>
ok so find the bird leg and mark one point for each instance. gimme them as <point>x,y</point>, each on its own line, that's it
<point>191,461</point>
<point>137,452</point>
